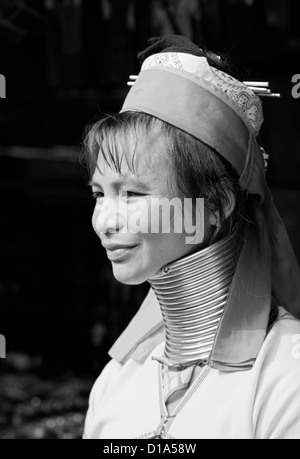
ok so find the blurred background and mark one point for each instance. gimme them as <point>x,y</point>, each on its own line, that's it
<point>66,63</point>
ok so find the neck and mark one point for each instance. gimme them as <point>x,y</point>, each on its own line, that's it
<point>192,293</point>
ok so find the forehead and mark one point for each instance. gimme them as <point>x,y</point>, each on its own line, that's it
<point>134,156</point>
<point>108,175</point>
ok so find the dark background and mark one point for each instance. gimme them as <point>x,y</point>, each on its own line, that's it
<point>66,63</point>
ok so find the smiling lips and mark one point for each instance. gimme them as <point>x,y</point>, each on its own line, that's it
<point>117,252</point>
<point>113,247</point>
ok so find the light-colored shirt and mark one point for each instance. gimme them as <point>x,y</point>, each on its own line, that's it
<point>260,403</point>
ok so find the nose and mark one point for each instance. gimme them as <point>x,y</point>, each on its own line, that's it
<point>108,216</point>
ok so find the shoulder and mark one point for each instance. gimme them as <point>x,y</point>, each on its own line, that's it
<point>281,349</point>
<point>277,411</point>
<point>109,373</point>
<point>100,387</point>
<point>116,375</point>
<point>286,330</point>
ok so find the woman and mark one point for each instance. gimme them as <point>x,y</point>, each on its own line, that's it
<point>213,351</point>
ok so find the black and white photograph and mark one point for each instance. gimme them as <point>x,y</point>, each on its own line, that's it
<point>150,215</point>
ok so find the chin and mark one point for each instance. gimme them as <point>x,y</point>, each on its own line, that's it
<point>125,277</point>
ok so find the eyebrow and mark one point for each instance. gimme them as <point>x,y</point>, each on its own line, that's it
<point>119,182</point>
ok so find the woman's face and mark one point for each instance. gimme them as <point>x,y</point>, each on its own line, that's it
<point>134,227</point>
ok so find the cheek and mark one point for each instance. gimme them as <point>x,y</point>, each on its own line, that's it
<point>137,217</point>
<point>94,219</point>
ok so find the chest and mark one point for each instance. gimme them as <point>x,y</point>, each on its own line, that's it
<point>217,406</point>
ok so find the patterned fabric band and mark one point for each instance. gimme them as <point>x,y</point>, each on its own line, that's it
<point>235,93</point>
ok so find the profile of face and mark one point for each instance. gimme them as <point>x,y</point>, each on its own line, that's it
<point>137,256</point>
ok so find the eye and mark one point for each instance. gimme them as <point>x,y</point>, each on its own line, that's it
<point>126,194</point>
<point>132,194</point>
<point>98,195</point>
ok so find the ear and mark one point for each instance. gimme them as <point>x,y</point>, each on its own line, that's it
<point>229,205</point>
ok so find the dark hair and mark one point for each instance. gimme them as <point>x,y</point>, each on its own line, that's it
<point>182,44</point>
<point>195,169</point>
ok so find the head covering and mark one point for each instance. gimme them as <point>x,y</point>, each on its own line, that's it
<point>178,85</point>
